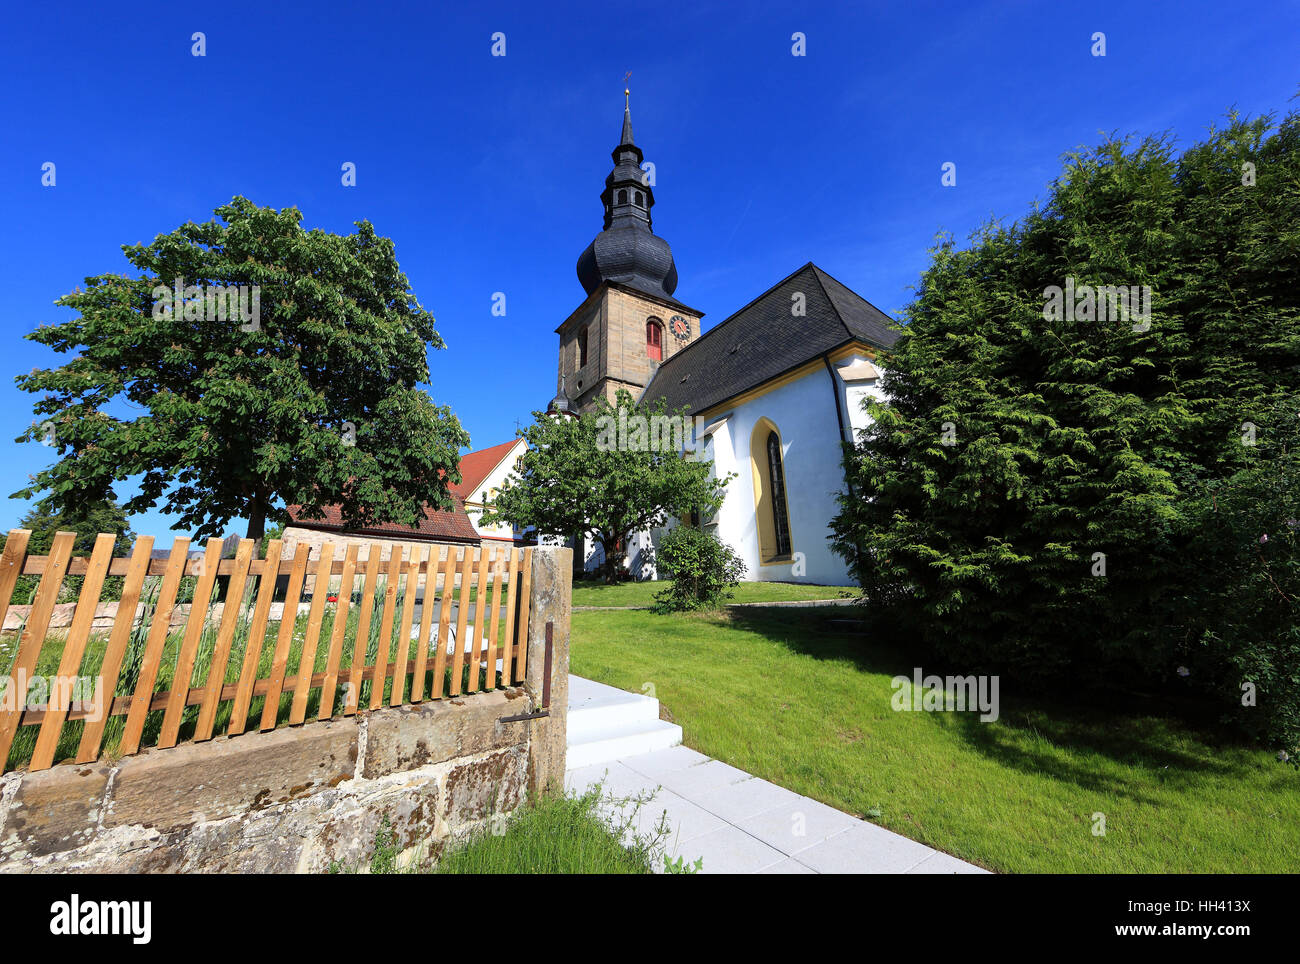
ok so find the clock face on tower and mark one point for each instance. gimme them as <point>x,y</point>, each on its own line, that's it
<point>680,327</point>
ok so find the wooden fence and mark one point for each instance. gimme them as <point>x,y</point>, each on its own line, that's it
<point>153,676</point>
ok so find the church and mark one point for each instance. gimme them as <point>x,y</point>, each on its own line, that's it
<point>779,384</point>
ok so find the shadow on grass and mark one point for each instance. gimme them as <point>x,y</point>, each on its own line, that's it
<point>1036,723</point>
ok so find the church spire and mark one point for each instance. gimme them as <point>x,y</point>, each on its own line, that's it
<point>627,118</point>
<point>627,249</point>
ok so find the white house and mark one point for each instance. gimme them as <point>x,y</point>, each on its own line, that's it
<point>483,473</point>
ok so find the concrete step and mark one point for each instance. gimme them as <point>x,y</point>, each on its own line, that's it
<point>624,740</point>
<point>606,724</point>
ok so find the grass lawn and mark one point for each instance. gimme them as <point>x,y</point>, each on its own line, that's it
<point>552,835</point>
<point>795,699</point>
<point>588,593</point>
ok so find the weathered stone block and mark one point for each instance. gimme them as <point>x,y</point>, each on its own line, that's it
<point>209,781</point>
<point>403,738</point>
<point>494,785</point>
<point>54,810</point>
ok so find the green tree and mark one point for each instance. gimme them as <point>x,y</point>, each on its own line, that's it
<point>87,517</point>
<point>312,402</point>
<point>1028,493</point>
<point>581,476</point>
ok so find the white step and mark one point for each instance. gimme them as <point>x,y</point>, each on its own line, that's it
<point>607,724</point>
<point>589,722</point>
<point>628,739</point>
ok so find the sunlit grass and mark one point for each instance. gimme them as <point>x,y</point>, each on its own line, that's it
<point>589,593</point>
<point>794,697</point>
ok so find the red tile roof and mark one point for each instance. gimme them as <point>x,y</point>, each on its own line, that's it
<point>475,467</point>
<point>450,525</point>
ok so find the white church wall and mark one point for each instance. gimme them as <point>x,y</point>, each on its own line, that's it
<point>804,414</point>
<point>856,391</point>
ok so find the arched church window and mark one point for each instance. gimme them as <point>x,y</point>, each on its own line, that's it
<point>776,477</point>
<point>582,348</point>
<point>654,339</point>
<point>622,196</point>
<point>640,199</point>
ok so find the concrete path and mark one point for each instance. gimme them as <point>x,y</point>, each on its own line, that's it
<point>742,825</point>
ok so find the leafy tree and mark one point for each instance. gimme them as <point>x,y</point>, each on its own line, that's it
<point>579,477</point>
<point>312,402</point>
<point>87,518</point>
<point>1028,494</point>
<point>701,567</point>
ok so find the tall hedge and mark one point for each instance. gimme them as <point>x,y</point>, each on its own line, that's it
<point>1033,494</point>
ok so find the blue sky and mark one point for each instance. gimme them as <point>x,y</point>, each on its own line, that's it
<point>486,171</point>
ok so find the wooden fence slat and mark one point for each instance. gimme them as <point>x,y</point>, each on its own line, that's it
<point>111,668</point>
<point>479,602</point>
<point>315,618</point>
<point>158,630</point>
<point>386,624</point>
<point>353,696</point>
<point>283,641</point>
<point>190,645</point>
<point>329,685</point>
<point>74,648</point>
<point>462,614</point>
<point>511,602</point>
<point>11,566</point>
<point>490,679</point>
<point>256,640</point>
<point>404,628</point>
<point>444,622</point>
<point>225,638</point>
<point>521,628</point>
<point>33,637</point>
<point>426,625</point>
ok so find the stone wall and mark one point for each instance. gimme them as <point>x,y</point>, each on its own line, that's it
<point>310,797</point>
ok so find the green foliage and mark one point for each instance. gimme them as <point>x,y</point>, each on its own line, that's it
<point>1019,458</point>
<point>1236,625</point>
<point>573,481</point>
<point>384,858</point>
<point>702,569</point>
<point>87,518</point>
<point>564,834</point>
<point>678,865</point>
<point>316,404</point>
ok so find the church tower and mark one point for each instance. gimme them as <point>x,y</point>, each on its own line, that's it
<point>629,322</point>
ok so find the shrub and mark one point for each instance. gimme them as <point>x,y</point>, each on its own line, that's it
<point>1236,630</point>
<point>1066,494</point>
<point>702,569</point>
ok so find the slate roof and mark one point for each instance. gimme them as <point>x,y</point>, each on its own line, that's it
<point>764,340</point>
<point>475,467</point>
<point>450,525</point>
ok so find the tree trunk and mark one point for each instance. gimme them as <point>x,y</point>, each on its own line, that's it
<point>257,522</point>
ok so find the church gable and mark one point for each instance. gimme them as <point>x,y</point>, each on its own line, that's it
<point>794,322</point>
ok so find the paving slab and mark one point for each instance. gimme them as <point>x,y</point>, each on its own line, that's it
<point>736,801</point>
<point>794,827</point>
<point>727,851</point>
<point>740,824</point>
<point>865,849</point>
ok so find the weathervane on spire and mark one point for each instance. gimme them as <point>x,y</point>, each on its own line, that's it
<point>627,91</point>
